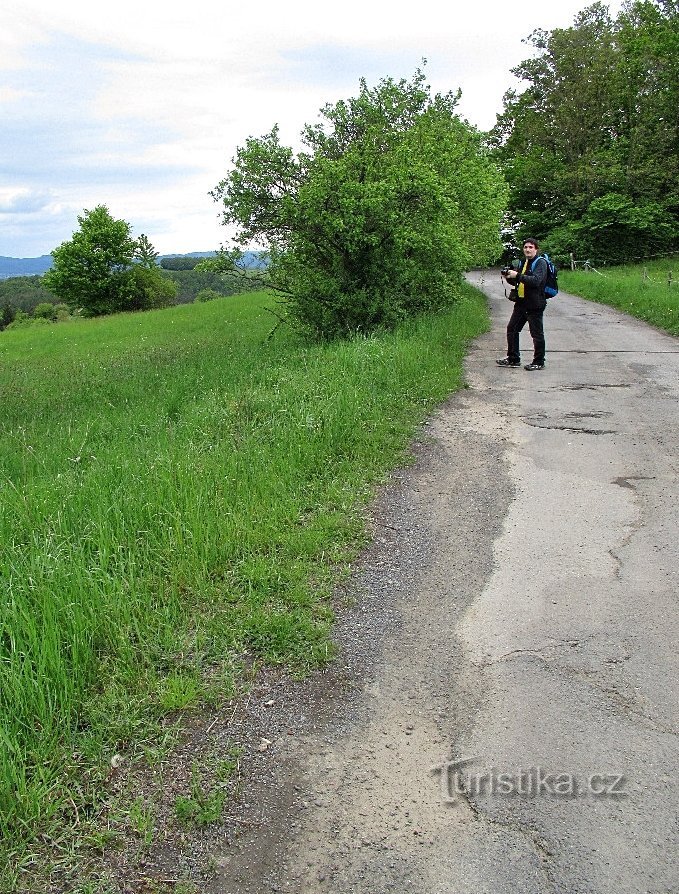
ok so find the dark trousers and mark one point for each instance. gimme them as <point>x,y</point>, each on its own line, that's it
<point>517,321</point>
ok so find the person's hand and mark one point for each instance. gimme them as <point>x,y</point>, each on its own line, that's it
<point>511,275</point>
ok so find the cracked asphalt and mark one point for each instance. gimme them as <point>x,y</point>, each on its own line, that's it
<point>503,715</point>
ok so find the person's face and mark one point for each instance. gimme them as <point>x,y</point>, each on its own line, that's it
<point>530,250</point>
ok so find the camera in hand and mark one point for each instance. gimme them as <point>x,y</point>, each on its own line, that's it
<point>512,266</point>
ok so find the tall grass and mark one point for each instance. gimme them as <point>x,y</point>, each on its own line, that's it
<point>177,492</point>
<point>649,297</point>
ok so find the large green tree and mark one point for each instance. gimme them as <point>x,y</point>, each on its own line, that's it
<point>590,145</point>
<point>88,269</point>
<point>102,269</point>
<point>392,197</point>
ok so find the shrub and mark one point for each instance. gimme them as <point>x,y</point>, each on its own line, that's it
<point>393,197</point>
<point>46,310</point>
<point>207,295</point>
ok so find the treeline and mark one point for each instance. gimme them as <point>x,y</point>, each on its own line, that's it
<point>24,295</point>
<point>191,282</point>
<point>590,147</point>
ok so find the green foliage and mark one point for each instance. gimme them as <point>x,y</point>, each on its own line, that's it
<point>142,820</point>
<point>614,229</point>
<point>602,182</point>
<point>145,254</point>
<point>190,282</point>
<point>103,270</point>
<point>204,805</point>
<point>7,315</point>
<point>24,321</point>
<point>207,295</point>
<point>392,198</point>
<point>23,292</point>
<point>179,263</point>
<point>145,288</point>
<point>89,269</point>
<point>45,309</point>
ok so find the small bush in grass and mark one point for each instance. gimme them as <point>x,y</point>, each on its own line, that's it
<point>45,310</point>
<point>206,295</point>
<point>374,222</point>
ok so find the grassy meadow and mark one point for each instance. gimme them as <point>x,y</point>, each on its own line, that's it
<point>178,494</point>
<point>649,298</point>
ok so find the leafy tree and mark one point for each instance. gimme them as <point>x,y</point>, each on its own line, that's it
<point>206,295</point>
<point>190,282</point>
<point>145,254</point>
<point>392,198</point>
<point>7,315</point>
<point>102,269</point>
<point>89,269</point>
<point>596,131</point>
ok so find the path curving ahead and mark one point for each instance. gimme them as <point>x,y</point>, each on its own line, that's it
<point>504,715</point>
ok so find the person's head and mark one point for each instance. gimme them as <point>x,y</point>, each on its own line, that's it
<point>530,248</point>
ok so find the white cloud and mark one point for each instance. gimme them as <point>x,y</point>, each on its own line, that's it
<point>24,201</point>
<point>141,106</point>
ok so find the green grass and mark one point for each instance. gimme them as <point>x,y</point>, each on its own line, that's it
<point>651,299</point>
<point>178,495</point>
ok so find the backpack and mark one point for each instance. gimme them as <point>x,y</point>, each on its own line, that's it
<point>551,284</point>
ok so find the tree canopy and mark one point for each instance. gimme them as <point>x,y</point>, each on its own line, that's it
<point>391,198</point>
<point>95,271</point>
<point>590,146</point>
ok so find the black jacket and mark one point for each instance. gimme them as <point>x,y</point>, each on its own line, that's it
<point>534,281</point>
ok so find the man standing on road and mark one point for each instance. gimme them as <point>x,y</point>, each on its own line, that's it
<point>530,304</point>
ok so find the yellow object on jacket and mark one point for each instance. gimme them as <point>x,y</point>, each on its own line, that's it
<point>521,290</point>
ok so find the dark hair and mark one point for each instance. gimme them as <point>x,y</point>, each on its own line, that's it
<point>532,242</point>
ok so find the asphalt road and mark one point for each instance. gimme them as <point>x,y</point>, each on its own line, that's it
<point>576,629</point>
<point>504,715</point>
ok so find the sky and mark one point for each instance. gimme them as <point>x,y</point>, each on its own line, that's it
<point>141,105</point>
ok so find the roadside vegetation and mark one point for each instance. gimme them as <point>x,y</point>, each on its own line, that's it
<point>179,493</point>
<point>649,291</point>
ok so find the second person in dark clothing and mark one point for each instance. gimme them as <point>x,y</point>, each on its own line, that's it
<point>529,307</point>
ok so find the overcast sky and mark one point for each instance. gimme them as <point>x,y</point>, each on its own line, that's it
<point>140,105</point>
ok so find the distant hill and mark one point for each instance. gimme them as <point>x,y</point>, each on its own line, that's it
<point>24,266</point>
<point>38,266</point>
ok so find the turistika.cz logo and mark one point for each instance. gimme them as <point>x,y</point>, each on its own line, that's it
<point>458,782</point>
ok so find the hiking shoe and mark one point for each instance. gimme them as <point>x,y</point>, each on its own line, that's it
<point>507,362</point>
<point>531,366</point>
